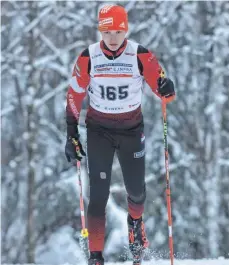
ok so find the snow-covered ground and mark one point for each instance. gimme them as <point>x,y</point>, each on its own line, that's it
<point>61,249</point>
<point>180,262</point>
<point>219,261</point>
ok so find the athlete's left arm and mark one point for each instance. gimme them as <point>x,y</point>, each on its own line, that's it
<point>152,71</point>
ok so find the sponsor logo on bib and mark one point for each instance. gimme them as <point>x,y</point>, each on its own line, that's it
<point>114,68</point>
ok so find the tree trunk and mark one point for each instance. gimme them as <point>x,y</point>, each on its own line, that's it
<point>31,130</point>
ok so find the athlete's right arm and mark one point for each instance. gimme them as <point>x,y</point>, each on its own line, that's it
<point>77,90</point>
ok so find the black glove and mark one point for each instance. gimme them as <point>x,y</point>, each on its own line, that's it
<point>165,87</point>
<point>73,148</point>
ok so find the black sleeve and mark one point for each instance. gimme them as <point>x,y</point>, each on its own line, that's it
<point>86,53</point>
<point>141,50</point>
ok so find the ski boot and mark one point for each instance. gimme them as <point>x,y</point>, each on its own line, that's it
<point>137,239</point>
<point>96,258</point>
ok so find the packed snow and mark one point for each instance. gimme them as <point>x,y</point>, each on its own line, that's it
<point>180,262</point>
<point>220,261</point>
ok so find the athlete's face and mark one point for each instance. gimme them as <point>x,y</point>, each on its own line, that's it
<point>113,38</point>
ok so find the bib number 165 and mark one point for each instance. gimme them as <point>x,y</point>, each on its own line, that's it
<point>113,93</point>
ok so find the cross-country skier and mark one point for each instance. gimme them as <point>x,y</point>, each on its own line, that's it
<point>112,73</point>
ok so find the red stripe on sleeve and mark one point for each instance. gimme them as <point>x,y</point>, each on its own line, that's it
<point>151,70</point>
<point>75,96</point>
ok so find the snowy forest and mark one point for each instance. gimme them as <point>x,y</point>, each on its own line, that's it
<point>40,42</point>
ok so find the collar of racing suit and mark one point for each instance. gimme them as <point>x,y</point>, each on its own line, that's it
<point>113,54</point>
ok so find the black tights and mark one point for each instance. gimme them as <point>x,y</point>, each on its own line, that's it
<point>101,146</point>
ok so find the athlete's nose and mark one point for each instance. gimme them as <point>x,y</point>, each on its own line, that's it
<point>113,38</point>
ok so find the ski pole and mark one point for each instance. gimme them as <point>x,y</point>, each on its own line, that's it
<point>84,231</point>
<point>168,190</point>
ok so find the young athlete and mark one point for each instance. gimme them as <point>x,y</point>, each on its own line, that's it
<point>112,73</point>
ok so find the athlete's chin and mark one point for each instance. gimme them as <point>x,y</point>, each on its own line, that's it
<point>113,47</point>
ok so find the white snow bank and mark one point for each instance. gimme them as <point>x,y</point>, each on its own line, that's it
<point>59,249</point>
<point>220,261</point>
